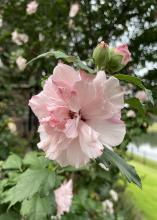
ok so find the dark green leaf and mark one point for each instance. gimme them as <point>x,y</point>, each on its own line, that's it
<point>127,170</point>
<point>136,104</point>
<point>130,79</point>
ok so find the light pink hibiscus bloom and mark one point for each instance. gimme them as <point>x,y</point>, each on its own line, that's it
<point>63,197</point>
<point>78,114</point>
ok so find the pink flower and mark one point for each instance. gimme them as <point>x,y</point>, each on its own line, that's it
<point>78,113</point>
<point>21,63</point>
<point>131,114</point>
<point>63,197</point>
<point>141,95</point>
<point>19,38</point>
<point>123,50</point>
<point>74,10</point>
<point>32,7</point>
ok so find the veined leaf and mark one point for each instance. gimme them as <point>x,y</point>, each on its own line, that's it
<point>37,208</point>
<point>127,170</point>
<point>29,183</point>
<point>13,162</point>
<point>136,104</point>
<point>34,160</point>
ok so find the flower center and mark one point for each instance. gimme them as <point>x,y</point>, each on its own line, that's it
<point>73,115</point>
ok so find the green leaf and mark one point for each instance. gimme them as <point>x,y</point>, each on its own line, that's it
<point>137,82</point>
<point>34,160</point>
<point>10,216</point>
<point>29,183</point>
<point>61,55</point>
<point>127,170</point>
<point>57,54</point>
<point>37,208</point>
<point>13,162</point>
<point>130,79</point>
<point>83,66</point>
<point>136,104</point>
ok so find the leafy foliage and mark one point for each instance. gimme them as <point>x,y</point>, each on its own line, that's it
<point>13,162</point>
<point>37,208</point>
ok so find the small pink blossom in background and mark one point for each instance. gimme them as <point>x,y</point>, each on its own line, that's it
<point>19,38</point>
<point>74,9</point>
<point>78,114</point>
<point>1,21</point>
<point>108,206</point>
<point>114,195</point>
<point>12,127</point>
<point>21,63</point>
<point>71,24</point>
<point>141,95</point>
<point>63,197</point>
<point>32,7</point>
<point>124,51</point>
<point>41,37</point>
<point>131,114</point>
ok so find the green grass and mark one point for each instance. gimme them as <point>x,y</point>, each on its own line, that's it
<point>145,199</point>
<point>148,162</point>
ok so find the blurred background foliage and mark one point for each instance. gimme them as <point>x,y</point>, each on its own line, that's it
<point>52,27</point>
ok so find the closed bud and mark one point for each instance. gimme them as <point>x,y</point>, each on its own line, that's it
<point>111,59</point>
<point>101,55</point>
<point>119,57</point>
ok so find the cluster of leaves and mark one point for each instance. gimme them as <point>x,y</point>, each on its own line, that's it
<point>31,182</point>
<point>28,185</point>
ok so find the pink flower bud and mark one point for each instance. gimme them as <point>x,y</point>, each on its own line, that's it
<point>123,50</point>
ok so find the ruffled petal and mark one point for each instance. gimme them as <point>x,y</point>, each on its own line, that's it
<point>111,131</point>
<point>66,74</point>
<point>71,128</point>
<point>75,155</point>
<point>114,93</point>
<point>38,105</point>
<point>100,79</point>
<point>85,76</point>
<point>92,111</point>
<point>89,141</point>
<point>86,92</point>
